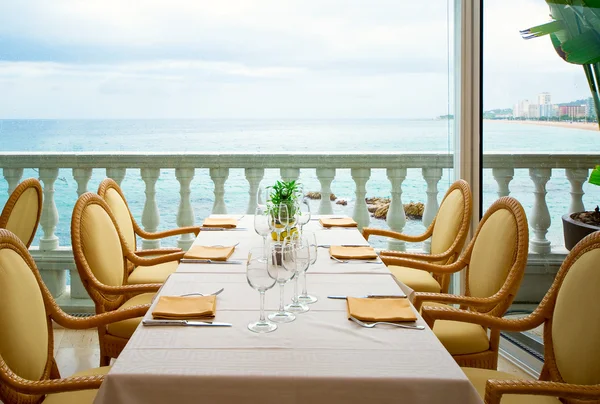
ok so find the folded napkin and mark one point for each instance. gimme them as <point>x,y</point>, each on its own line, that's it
<point>185,307</point>
<point>352,253</point>
<point>338,222</point>
<point>380,309</point>
<point>201,252</point>
<point>224,222</point>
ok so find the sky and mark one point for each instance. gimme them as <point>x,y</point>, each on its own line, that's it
<point>262,59</point>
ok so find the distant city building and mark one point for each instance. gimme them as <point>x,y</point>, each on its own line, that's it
<point>545,105</point>
<point>573,111</point>
<point>544,99</point>
<point>591,108</point>
<point>521,109</point>
<point>534,111</point>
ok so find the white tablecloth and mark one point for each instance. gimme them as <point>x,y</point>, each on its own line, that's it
<point>320,357</point>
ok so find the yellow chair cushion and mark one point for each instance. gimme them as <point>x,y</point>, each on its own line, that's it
<point>417,280</point>
<point>447,222</point>
<point>120,211</point>
<point>125,328</point>
<point>479,377</point>
<point>461,338</point>
<point>81,396</point>
<point>152,274</point>
<point>24,215</point>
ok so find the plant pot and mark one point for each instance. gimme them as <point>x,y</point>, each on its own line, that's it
<point>575,230</point>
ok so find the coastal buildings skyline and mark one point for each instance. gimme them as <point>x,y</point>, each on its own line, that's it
<point>544,109</point>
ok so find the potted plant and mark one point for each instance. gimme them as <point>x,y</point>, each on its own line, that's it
<point>579,224</point>
<point>283,193</point>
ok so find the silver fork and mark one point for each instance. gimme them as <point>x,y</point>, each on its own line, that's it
<point>354,261</point>
<point>371,325</point>
<point>201,294</point>
<point>221,245</point>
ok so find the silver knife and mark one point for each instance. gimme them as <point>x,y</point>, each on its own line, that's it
<point>197,323</point>
<point>223,229</point>
<point>199,261</point>
<point>368,296</point>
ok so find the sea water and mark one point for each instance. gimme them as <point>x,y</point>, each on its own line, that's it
<point>256,136</point>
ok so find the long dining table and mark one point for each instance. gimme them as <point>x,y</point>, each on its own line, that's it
<point>321,357</point>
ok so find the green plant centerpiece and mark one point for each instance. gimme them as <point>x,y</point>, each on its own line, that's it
<point>283,193</point>
<point>577,225</point>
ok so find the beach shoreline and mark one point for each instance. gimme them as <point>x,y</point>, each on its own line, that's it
<point>571,125</point>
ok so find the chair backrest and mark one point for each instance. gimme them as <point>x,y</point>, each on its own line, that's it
<point>572,312</point>
<point>97,248</point>
<point>22,212</point>
<point>26,344</point>
<point>498,253</point>
<point>110,191</point>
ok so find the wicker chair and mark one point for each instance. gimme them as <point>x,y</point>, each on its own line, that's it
<point>495,264</point>
<point>28,371</point>
<point>21,214</point>
<point>570,314</point>
<point>448,233</point>
<point>101,255</point>
<point>110,191</point>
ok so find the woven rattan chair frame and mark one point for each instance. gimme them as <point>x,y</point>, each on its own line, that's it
<point>17,390</point>
<point>550,381</point>
<point>14,198</point>
<point>109,183</point>
<point>108,298</point>
<point>447,257</point>
<point>495,305</point>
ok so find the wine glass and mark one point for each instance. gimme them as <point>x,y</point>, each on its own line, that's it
<point>313,248</point>
<point>278,219</point>
<point>301,258</point>
<point>284,259</point>
<point>304,213</point>
<point>261,273</point>
<point>261,223</point>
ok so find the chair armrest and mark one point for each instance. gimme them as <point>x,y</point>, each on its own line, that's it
<point>367,231</point>
<point>157,251</point>
<point>417,256</point>
<point>48,386</point>
<point>432,313</point>
<point>494,389</point>
<point>80,323</point>
<point>480,302</point>
<point>167,233</point>
<point>161,259</point>
<point>128,289</point>
<point>425,266</point>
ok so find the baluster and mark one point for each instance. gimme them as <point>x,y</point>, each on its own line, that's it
<point>82,177</point>
<point>361,213</point>
<point>503,177</point>
<point>540,216</point>
<point>577,176</point>
<point>219,176</point>
<point>13,177</point>
<point>150,215</point>
<point>289,174</point>
<point>254,177</point>
<point>325,176</point>
<point>396,218</point>
<point>116,173</point>
<point>49,220</point>
<point>432,176</point>
<point>185,214</point>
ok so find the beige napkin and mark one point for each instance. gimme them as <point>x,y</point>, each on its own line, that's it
<point>185,307</point>
<point>380,309</point>
<point>338,222</point>
<point>224,222</point>
<point>209,253</point>
<point>352,253</point>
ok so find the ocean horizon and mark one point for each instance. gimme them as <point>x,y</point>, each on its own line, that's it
<point>262,136</point>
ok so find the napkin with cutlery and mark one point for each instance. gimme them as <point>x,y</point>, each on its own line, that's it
<point>185,307</point>
<point>201,252</point>
<point>380,309</point>
<point>352,253</point>
<point>223,222</point>
<point>338,222</point>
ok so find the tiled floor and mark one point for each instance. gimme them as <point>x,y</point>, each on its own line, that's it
<point>77,350</point>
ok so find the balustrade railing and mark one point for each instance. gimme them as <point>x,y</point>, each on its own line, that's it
<point>431,165</point>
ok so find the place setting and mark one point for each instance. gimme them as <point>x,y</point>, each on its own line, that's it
<point>211,254</point>
<point>221,223</point>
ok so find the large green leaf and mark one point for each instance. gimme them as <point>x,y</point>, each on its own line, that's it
<point>582,49</point>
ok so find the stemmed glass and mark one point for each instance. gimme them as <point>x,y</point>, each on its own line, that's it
<point>304,216</point>
<point>261,272</point>
<point>261,223</point>
<point>284,259</point>
<point>278,216</point>
<point>301,261</point>
<point>313,247</point>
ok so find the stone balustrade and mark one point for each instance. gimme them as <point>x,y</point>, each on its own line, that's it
<point>54,259</point>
